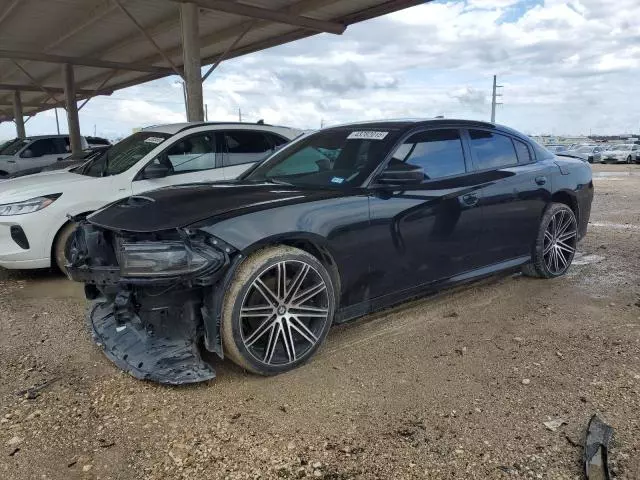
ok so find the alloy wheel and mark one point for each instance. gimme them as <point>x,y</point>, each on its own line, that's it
<point>560,239</point>
<point>284,313</point>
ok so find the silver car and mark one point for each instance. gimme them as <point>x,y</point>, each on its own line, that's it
<point>34,152</point>
<point>588,153</point>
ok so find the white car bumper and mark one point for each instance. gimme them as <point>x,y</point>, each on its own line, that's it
<point>38,229</point>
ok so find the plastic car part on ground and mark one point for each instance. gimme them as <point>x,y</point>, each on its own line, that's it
<point>596,449</point>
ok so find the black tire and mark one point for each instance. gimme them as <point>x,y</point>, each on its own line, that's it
<point>554,247</point>
<point>242,341</point>
<point>60,246</point>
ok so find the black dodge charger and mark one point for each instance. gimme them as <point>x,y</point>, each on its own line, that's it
<point>339,223</point>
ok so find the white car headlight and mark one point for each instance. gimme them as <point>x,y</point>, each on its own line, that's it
<point>28,206</point>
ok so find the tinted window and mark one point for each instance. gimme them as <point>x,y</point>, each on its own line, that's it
<point>438,152</point>
<point>524,154</point>
<point>191,154</point>
<point>276,140</point>
<point>46,146</point>
<point>492,150</point>
<point>245,146</point>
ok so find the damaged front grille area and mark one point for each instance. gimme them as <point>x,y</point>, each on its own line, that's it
<point>154,326</point>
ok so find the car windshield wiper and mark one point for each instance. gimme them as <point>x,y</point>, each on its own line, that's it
<point>565,154</point>
<point>277,182</point>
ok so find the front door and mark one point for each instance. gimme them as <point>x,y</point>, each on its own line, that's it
<point>426,232</point>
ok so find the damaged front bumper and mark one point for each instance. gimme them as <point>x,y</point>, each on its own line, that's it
<point>158,328</point>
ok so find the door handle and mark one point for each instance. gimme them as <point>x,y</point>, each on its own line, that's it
<point>470,199</point>
<point>541,180</point>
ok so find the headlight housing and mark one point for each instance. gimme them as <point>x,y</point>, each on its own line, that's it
<point>28,206</point>
<point>166,259</point>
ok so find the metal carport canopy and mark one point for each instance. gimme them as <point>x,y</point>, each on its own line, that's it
<point>106,45</point>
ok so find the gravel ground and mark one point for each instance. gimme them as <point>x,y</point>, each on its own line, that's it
<point>454,386</point>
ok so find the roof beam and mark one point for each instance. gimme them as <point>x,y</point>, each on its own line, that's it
<point>88,62</point>
<point>148,36</point>
<point>7,11</point>
<point>34,88</point>
<point>277,16</point>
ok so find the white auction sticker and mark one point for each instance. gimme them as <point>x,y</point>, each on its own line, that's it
<point>155,140</point>
<point>367,135</point>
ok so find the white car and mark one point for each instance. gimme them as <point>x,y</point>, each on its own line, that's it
<point>622,153</point>
<point>34,223</point>
<point>34,152</point>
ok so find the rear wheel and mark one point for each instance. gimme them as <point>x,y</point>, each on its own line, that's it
<point>277,311</point>
<point>60,244</point>
<point>555,244</point>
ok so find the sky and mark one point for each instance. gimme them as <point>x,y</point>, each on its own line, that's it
<point>568,67</point>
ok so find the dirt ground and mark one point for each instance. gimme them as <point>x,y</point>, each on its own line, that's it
<point>453,386</point>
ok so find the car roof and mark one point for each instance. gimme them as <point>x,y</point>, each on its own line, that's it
<point>38,137</point>
<point>410,123</point>
<point>174,128</point>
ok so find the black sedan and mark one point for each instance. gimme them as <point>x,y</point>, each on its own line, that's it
<point>337,224</point>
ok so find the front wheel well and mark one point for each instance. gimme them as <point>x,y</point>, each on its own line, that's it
<point>319,252</point>
<point>57,235</point>
<point>568,200</point>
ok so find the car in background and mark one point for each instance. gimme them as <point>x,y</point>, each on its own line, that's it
<point>588,153</point>
<point>97,142</point>
<point>34,209</point>
<point>334,226</point>
<point>622,153</point>
<point>34,152</point>
<point>63,163</point>
<point>556,148</point>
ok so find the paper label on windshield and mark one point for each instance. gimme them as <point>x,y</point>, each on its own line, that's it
<point>367,135</point>
<point>155,140</point>
<point>337,180</point>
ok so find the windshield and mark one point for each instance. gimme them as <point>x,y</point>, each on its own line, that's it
<point>584,149</point>
<point>14,146</point>
<point>333,158</point>
<point>620,147</point>
<point>123,155</point>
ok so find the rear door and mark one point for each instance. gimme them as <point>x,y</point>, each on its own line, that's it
<point>425,232</point>
<point>516,192</point>
<point>243,148</point>
<point>190,159</point>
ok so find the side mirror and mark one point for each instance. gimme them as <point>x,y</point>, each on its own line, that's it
<point>28,153</point>
<point>155,170</point>
<point>404,175</point>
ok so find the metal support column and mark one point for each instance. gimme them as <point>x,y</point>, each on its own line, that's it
<point>72,110</point>
<point>191,60</point>
<point>17,114</point>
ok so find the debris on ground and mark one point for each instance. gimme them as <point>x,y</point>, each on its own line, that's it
<point>596,449</point>
<point>555,424</point>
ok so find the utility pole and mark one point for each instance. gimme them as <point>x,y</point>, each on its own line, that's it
<point>57,122</point>
<point>494,98</point>
<point>239,115</point>
<point>206,112</point>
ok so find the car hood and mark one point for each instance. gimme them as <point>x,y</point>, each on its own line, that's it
<point>45,183</point>
<point>184,205</point>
